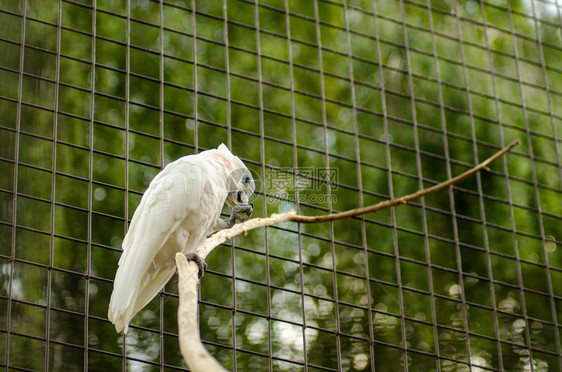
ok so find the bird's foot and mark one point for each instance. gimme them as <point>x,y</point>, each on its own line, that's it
<point>199,261</point>
<point>240,212</point>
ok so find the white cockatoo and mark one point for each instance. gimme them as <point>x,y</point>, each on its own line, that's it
<point>180,208</point>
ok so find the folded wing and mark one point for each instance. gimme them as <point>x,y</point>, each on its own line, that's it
<point>171,196</point>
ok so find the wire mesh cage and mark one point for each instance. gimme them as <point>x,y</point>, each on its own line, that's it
<point>333,104</point>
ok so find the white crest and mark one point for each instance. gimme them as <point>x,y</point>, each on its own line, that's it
<point>222,147</point>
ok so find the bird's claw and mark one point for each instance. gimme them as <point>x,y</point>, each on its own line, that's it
<point>240,212</point>
<point>199,261</point>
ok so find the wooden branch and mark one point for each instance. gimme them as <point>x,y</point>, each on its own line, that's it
<point>194,353</point>
<point>221,236</point>
<point>197,357</point>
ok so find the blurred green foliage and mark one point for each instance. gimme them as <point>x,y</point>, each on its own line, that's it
<point>415,93</point>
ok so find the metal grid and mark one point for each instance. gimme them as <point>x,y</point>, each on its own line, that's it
<point>97,96</point>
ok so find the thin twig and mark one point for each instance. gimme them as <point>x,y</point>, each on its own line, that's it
<point>403,200</point>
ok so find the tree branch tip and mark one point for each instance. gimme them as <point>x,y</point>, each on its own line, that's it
<point>180,258</point>
<point>513,144</point>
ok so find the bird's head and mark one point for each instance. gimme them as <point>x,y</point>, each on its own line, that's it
<point>241,187</point>
<point>240,183</point>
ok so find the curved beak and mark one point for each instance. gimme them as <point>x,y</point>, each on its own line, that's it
<point>243,197</point>
<point>237,197</point>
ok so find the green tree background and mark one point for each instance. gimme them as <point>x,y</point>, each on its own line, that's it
<point>402,93</point>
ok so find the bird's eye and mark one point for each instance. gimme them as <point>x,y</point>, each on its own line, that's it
<point>246,179</point>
